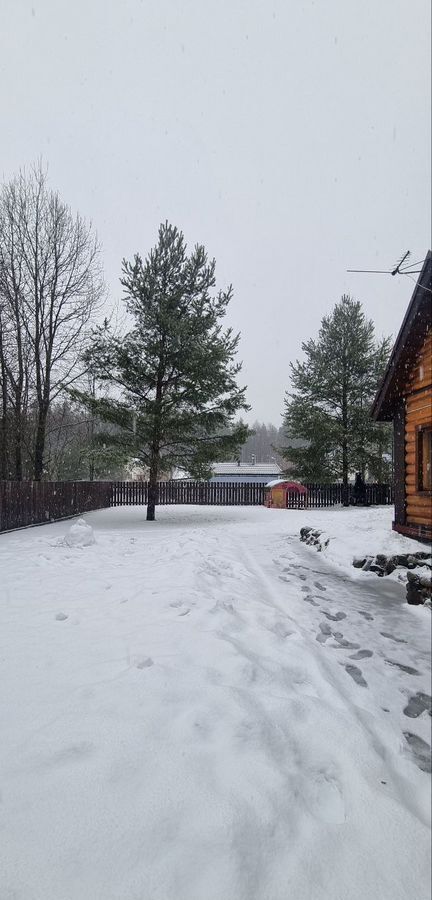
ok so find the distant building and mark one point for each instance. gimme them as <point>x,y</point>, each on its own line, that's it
<point>245,472</point>
<point>405,397</point>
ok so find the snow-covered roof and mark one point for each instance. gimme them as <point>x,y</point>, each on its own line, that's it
<point>232,468</point>
<point>293,486</point>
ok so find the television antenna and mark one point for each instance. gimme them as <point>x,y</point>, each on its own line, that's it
<point>402,268</point>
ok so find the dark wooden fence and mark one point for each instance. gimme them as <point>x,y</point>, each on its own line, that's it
<point>208,493</point>
<point>133,493</point>
<point>335,494</point>
<point>34,502</point>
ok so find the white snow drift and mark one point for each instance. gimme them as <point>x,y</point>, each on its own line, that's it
<point>80,534</point>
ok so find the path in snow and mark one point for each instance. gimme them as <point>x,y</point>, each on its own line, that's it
<point>205,708</point>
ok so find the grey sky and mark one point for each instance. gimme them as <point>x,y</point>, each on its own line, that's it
<point>291,137</point>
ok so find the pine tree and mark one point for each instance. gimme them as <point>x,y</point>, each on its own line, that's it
<point>329,406</point>
<point>173,375</point>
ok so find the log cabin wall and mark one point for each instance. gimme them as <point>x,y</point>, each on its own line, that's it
<point>418,414</point>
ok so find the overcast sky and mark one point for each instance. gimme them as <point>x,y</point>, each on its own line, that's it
<point>291,137</point>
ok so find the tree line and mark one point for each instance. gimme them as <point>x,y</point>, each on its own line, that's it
<point>79,399</point>
<point>51,284</point>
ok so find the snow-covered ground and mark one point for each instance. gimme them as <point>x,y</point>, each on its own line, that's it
<point>362,532</point>
<point>203,708</point>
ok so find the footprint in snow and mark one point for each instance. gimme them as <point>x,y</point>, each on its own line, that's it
<point>310,599</point>
<point>420,749</point>
<point>280,630</point>
<point>319,586</point>
<point>336,618</point>
<point>356,675</point>
<point>305,589</point>
<point>61,617</point>
<point>392,637</point>
<point>362,654</point>
<point>144,663</point>
<point>324,633</point>
<point>344,644</point>
<point>366,615</point>
<point>418,704</point>
<point>324,799</point>
<point>184,613</point>
<point>408,669</point>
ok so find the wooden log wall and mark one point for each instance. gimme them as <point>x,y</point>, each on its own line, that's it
<point>418,414</point>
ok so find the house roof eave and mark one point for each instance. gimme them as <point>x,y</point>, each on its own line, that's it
<point>415,326</point>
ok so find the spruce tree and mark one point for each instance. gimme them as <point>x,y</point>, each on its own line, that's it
<point>172,377</point>
<point>329,404</point>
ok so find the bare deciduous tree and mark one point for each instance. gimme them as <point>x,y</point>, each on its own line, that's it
<point>50,286</point>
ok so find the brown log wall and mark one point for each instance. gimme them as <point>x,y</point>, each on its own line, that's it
<point>418,412</point>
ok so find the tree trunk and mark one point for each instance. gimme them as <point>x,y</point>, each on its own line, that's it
<point>4,433</point>
<point>345,445</point>
<point>153,490</point>
<point>18,445</point>
<point>3,414</point>
<point>3,446</point>
<point>40,442</point>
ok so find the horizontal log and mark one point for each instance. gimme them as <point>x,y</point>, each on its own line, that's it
<point>419,385</point>
<point>424,363</point>
<point>414,503</point>
<point>419,520</point>
<point>414,496</point>
<point>415,409</point>
<point>421,418</point>
<point>415,499</point>
<point>418,405</point>
<point>418,402</point>
<point>424,393</point>
<point>423,379</point>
